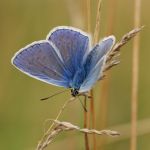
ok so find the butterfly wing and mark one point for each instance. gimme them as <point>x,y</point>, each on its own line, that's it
<point>72,44</point>
<point>40,60</point>
<point>95,61</point>
<point>93,76</point>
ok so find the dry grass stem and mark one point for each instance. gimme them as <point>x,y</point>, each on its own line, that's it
<point>92,112</point>
<point>86,124</point>
<point>67,126</point>
<point>95,40</point>
<point>104,90</point>
<point>88,28</point>
<point>135,72</point>
<point>97,26</point>
<point>46,135</point>
<point>114,53</point>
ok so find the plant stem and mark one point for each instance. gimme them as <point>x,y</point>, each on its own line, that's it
<point>92,108</point>
<point>85,124</point>
<point>87,14</point>
<point>92,112</point>
<point>40,144</point>
<point>106,82</point>
<point>95,40</point>
<point>97,26</point>
<point>135,70</point>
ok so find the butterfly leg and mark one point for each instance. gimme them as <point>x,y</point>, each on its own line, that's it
<point>86,95</point>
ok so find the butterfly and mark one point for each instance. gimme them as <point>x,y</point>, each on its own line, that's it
<point>65,59</point>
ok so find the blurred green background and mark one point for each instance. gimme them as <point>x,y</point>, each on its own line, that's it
<point>22,114</point>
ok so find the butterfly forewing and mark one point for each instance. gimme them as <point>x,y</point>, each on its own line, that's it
<point>40,61</point>
<point>72,45</point>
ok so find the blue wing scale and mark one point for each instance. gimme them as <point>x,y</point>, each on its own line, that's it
<point>72,46</point>
<point>40,61</point>
<point>95,61</point>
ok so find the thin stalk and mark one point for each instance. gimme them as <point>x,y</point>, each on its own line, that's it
<point>135,70</point>
<point>92,112</point>
<point>85,125</point>
<point>87,14</point>
<point>97,26</point>
<point>103,111</point>
<point>95,40</point>
<point>92,108</point>
<point>106,82</point>
<point>44,138</point>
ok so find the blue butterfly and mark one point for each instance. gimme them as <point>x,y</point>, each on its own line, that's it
<point>65,59</point>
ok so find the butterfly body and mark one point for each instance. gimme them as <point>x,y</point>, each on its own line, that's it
<point>74,92</point>
<point>78,78</point>
<point>65,59</point>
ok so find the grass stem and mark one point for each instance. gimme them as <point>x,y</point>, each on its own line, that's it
<point>40,144</point>
<point>135,70</point>
<point>97,26</point>
<point>92,112</point>
<point>106,83</point>
<point>95,40</point>
<point>88,28</point>
<point>85,124</point>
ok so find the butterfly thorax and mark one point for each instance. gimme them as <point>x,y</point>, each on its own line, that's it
<point>74,92</point>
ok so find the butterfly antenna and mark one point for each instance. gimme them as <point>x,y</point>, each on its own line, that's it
<point>57,93</point>
<point>82,104</point>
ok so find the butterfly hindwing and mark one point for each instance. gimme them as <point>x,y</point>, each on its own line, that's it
<point>95,61</point>
<point>93,76</point>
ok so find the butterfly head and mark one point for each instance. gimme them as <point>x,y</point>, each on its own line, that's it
<point>74,92</point>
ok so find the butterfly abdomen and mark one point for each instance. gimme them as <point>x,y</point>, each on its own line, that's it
<point>78,78</point>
